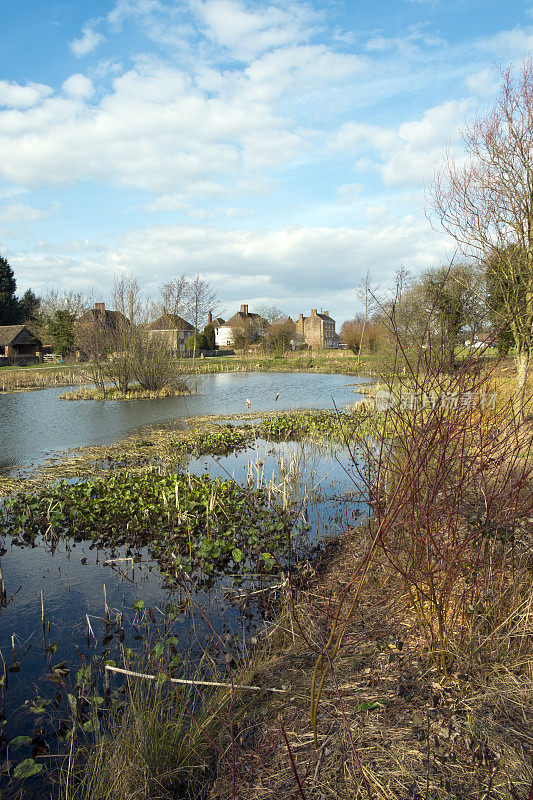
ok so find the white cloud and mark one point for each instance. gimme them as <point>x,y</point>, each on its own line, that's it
<point>87,42</point>
<point>508,45</point>
<point>78,85</point>
<point>407,154</point>
<point>153,130</point>
<point>13,95</point>
<point>484,82</point>
<point>246,32</point>
<point>308,67</point>
<point>251,264</point>
<point>124,9</point>
<point>15,214</point>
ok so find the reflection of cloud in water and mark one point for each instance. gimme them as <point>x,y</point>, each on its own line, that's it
<point>316,476</point>
<point>34,423</point>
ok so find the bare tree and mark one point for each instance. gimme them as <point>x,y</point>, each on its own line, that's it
<point>201,299</point>
<point>364,293</point>
<point>123,332</point>
<point>175,295</point>
<point>486,204</point>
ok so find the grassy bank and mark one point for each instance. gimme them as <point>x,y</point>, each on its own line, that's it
<point>326,361</point>
<point>17,379</point>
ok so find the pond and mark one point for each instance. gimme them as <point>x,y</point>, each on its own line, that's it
<point>55,593</point>
<point>72,604</point>
<point>35,425</point>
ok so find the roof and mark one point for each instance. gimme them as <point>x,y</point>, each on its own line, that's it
<point>111,319</point>
<point>170,322</point>
<point>217,322</point>
<point>240,316</point>
<point>8,334</point>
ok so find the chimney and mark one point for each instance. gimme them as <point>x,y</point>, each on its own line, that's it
<point>100,307</point>
<point>326,313</point>
<point>244,310</point>
<point>313,312</point>
<point>301,317</point>
<point>209,317</point>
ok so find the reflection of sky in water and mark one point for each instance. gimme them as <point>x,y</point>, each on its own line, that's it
<point>34,424</point>
<point>324,477</point>
<point>73,589</point>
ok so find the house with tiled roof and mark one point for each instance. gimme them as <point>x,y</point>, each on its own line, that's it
<point>316,331</point>
<point>173,328</point>
<point>224,334</point>
<point>19,345</point>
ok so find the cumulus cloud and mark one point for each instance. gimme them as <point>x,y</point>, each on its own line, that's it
<point>407,154</point>
<point>258,265</point>
<point>155,129</point>
<point>78,86</point>
<point>14,95</point>
<point>87,42</point>
<point>250,30</point>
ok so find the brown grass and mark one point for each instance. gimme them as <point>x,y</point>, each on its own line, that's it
<point>465,736</point>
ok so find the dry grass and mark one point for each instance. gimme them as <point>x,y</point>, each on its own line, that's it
<point>466,736</point>
<point>111,393</point>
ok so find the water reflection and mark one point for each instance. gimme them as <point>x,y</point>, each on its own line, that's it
<point>36,424</point>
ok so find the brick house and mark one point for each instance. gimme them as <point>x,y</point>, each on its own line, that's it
<point>99,330</point>
<point>173,328</point>
<point>316,331</point>
<point>18,344</point>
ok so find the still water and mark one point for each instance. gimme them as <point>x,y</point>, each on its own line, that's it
<point>34,425</point>
<point>73,583</point>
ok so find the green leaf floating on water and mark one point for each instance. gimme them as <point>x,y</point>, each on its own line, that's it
<point>83,676</point>
<point>27,768</point>
<point>138,605</point>
<point>19,741</point>
<point>204,525</point>
<point>158,650</point>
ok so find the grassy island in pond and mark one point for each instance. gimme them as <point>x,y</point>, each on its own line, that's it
<point>133,393</point>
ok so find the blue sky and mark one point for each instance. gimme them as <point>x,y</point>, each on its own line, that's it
<point>278,148</point>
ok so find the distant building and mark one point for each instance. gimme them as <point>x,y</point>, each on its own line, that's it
<point>19,345</point>
<point>316,331</point>
<point>98,330</point>
<point>173,328</point>
<point>224,332</point>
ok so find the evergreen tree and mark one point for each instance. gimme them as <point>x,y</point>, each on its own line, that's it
<point>9,305</point>
<point>29,305</point>
<point>209,333</point>
<point>61,329</point>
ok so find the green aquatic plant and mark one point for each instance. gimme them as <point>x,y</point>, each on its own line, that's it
<point>190,525</point>
<point>337,426</point>
<point>220,441</point>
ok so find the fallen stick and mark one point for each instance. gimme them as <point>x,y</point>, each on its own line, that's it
<point>132,674</point>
